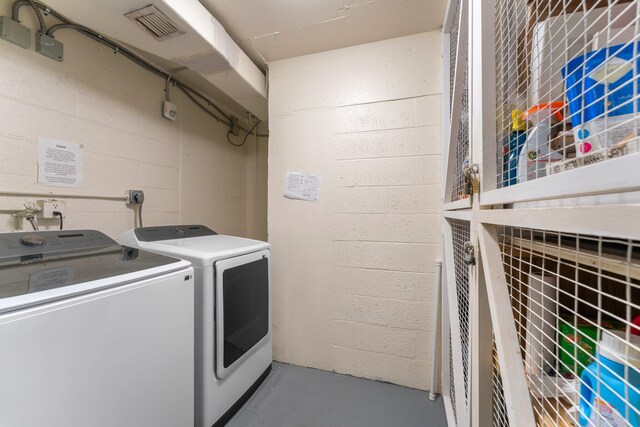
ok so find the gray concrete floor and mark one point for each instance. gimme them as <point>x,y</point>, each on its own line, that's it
<point>293,396</point>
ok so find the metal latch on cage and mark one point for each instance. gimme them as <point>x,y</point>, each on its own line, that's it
<point>471,178</point>
<point>469,254</point>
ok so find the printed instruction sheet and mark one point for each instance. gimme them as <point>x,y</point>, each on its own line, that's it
<point>302,186</point>
<point>59,163</point>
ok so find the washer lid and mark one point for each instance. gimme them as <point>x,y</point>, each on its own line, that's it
<point>36,267</point>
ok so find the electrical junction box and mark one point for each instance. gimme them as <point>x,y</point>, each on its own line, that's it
<point>49,47</point>
<point>136,197</point>
<point>170,111</point>
<point>14,32</point>
<point>234,126</point>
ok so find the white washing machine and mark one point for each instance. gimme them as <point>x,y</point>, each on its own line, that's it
<point>93,334</point>
<point>233,312</point>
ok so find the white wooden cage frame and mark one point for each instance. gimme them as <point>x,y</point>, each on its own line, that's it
<point>580,201</point>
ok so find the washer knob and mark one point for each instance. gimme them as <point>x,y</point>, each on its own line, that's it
<point>33,240</point>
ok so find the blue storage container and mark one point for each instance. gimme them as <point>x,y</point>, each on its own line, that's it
<point>610,386</point>
<point>599,85</point>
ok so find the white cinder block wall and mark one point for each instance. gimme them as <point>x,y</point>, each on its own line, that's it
<point>111,106</point>
<point>354,273</point>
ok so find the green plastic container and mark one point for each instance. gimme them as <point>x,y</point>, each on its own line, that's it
<point>577,343</point>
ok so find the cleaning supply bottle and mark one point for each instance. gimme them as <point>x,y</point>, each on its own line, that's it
<point>610,386</point>
<point>635,325</point>
<point>516,140</point>
<point>537,153</point>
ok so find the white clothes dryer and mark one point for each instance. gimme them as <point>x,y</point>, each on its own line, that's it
<point>93,334</point>
<point>233,312</point>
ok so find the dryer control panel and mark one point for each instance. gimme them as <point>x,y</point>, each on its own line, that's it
<point>171,232</point>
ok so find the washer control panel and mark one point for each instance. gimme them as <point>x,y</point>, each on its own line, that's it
<point>44,243</point>
<point>33,240</point>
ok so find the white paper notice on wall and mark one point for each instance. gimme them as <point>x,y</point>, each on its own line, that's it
<point>302,186</point>
<point>59,163</point>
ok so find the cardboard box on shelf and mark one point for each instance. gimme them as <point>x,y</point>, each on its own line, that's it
<point>540,10</point>
<point>578,341</point>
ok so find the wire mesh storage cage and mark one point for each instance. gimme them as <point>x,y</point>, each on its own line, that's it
<point>566,76</point>
<point>459,98</point>
<point>462,142</point>
<point>500,417</point>
<point>460,236</point>
<point>452,383</point>
<point>454,38</point>
<point>576,304</point>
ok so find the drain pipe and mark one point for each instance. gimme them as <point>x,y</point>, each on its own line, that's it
<point>436,327</point>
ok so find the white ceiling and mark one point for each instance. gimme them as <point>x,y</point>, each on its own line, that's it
<point>269,30</point>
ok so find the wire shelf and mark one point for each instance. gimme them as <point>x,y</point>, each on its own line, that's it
<point>499,407</point>
<point>566,85</point>
<point>576,299</point>
<point>461,235</point>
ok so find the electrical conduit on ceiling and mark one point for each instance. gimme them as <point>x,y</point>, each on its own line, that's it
<point>127,53</point>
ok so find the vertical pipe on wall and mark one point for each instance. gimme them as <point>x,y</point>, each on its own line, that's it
<point>255,175</point>
<point>436,325</point>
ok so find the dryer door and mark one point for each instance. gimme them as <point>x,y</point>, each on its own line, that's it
<point>243,308</point>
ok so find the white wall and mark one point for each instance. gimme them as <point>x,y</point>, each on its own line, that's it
<point>353,273</point>
<point>112,107</point>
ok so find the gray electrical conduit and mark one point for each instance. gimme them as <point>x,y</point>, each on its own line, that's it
<point>167,95</point>
<point>15,9</point>
<point>43,27</point>
<point>138,60</point>
<point>188,91</point>
<point>118,48</point>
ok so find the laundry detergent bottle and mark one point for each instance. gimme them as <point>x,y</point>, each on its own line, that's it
<point>610,386</point>
<point>516,140</point>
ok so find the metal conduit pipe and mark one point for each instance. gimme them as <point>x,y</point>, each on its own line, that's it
<point>15,12</point>
<point>118,48</point>
<point>35,8</point>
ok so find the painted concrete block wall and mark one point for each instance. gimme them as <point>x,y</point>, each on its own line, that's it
<point>354,272</point>
<point>112,107</point>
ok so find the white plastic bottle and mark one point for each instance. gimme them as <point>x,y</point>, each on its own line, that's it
<point>537,152</point>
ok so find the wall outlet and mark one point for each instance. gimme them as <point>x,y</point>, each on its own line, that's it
<point>136,197</point>
<point>50,206</point>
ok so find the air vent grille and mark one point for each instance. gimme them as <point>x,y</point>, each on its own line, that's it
<point>155,22</point>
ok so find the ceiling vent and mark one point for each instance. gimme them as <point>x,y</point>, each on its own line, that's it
<point>155,23</point>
